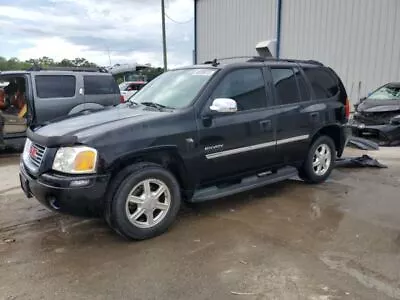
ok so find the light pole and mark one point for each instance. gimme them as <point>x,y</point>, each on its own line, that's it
<point>164,35</point>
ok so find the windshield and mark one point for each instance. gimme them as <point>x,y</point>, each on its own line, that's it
<point>386,93</point>
<point>174,89</point>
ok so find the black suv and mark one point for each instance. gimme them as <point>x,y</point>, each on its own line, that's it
<point>192,134</point>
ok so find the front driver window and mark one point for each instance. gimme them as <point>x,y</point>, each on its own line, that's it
<point>245,86</point>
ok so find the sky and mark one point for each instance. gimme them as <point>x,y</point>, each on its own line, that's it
<point>128,30</point>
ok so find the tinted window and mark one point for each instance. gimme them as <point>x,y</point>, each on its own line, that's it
<point>322,82</point>
<point>55,86</point>
<point>303,88</point>
<point>285,85</point>
<point>245,86</point>
<point>100,85</point>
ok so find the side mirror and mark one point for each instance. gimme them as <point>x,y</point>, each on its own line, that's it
<point>363,99</point>
<point>224,105</point>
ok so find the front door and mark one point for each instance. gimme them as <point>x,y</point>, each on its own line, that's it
<point>13,108</point>
<point>238,142</point>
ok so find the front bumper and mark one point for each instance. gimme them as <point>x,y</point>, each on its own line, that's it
<point>58,193</point>
<point>385,133</point>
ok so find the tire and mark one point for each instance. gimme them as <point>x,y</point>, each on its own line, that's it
<point>318,174</point>
<point>145,215</point>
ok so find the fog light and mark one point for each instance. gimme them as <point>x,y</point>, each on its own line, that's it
<point>78,183</point>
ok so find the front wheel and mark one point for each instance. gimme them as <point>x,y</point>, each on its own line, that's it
<point>320,161</point>
<point>145,203</point>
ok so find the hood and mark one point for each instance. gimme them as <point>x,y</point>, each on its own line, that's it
<point>375,106</point>
<point>99,122</point>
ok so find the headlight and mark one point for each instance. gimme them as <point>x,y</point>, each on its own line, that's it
<point>75,160</point>
<point>27,147</point>
<point>395,120</point>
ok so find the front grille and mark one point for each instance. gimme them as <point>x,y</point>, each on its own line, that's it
<point>36,154</point>
<point>375,118</point>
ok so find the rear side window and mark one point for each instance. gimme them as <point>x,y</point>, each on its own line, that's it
<point>322,82</point>
<point>246,87</point>
<point>100,85</point>
<point>55,86</point>
<point>303,88</point>
<point>285,85</point>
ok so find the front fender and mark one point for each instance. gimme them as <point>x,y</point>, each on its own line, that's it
<point>167,156</point>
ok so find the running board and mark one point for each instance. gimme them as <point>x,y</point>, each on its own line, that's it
<point>247,183</point>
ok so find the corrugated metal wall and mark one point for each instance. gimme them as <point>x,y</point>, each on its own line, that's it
<point>232,27</point>
<point>359,39</point>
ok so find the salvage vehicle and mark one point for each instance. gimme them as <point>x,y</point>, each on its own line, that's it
<point>130,88</point>
<point>192,134</point>
<point>38,96</point>
<point>378,115</point>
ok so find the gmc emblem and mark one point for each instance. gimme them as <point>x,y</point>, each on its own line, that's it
<point>33,152</point>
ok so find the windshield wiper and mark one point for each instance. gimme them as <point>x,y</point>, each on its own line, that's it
<point>132,103</point>
<point>156,105</point>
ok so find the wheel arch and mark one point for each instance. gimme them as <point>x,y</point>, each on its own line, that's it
<point>166,156</point>
<point>335,132</point>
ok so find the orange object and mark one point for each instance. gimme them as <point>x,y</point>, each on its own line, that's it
<point>23,111</point>
<point>85,161</point>
<point>19,100</point>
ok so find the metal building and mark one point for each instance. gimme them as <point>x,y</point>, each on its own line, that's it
<point>359,39</point>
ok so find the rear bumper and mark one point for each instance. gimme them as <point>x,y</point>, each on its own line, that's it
<point>345,137</point>
<point>58,193</point>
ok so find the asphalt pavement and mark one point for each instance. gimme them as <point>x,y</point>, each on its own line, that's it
<point>338,240</point>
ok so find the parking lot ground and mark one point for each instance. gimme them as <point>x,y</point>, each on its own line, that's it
<point>338,240</point>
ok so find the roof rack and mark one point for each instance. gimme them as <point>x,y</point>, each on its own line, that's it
<point>72,69</point>
<point>310,61</point>
<point>215,61</point>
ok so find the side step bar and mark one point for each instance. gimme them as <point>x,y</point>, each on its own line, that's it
<point>247,183</point>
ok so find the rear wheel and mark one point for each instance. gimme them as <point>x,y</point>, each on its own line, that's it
<point>145,204</point>
<point>320,161</point>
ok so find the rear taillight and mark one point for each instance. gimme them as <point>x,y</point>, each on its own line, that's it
<point>347,109</point>
<point>121,99</point>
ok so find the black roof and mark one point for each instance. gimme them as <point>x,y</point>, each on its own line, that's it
<point>216,62</point>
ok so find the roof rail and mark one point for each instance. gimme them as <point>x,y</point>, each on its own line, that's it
<point>215,61</point>
<point>260,58</point>
<point>72,69</point>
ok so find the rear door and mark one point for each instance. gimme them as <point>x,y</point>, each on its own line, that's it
<point>296,115</point>
<point>55,96</point>
<point>101,90</point>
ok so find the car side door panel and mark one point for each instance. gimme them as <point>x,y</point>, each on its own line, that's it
<point>101,90</point>
<point>239,142</point>
<point>295,117</point>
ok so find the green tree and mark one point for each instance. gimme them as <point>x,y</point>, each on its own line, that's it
<point>13,64</point>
